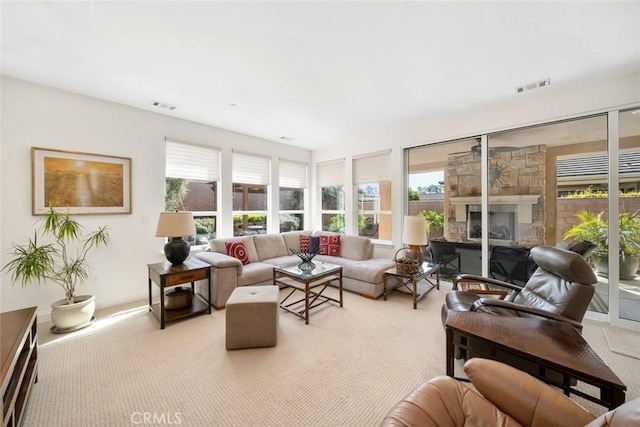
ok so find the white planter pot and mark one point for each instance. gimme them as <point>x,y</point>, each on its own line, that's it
<point>67,317</point>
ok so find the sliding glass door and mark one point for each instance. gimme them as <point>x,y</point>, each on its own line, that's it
<point>545,185</point>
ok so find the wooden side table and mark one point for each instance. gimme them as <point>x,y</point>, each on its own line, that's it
<point>409,281</point>
<point>481,288</point>
<point>166,275</point>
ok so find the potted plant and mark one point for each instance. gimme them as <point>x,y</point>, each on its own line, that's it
<point>595,229</point>
<point>57,252</point>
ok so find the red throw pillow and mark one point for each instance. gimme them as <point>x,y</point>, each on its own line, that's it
<point>330,244</point>
<point>304,243</point>
<point>237,250</point>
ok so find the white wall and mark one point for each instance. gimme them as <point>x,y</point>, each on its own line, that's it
<point>538,106</point>
<point>38,116</point>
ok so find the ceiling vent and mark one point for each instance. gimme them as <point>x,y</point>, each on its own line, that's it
<point>286,139</point>
<point>163,105</point>
<point>534,85</point>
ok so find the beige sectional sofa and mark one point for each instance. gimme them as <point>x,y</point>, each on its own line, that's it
<point>361,272</point>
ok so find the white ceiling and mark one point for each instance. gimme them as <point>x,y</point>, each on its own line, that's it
<point>322,73</point>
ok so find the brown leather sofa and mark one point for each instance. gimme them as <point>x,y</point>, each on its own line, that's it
<point>505,397</point>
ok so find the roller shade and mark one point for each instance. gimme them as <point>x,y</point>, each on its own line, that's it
<point>250,169</point>
<point>330,174</point>
<point>293,174</point>
<point>192,162</point>
<point>372,168</point>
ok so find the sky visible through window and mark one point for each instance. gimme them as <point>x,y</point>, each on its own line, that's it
<point>425,179</point>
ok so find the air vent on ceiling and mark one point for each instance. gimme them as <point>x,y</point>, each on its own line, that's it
<point>163,105</point>
<point>534,85</point>
<point>286,138</point>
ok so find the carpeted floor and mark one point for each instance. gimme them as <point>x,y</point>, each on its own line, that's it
<point>623,341</point>
<point>348,367</point>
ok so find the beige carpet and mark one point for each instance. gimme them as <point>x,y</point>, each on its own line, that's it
<point>348,367</point>
<point>623,341</point>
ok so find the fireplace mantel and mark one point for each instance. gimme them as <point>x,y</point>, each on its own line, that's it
<point>523,202</point>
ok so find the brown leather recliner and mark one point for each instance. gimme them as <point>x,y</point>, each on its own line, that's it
<point>444,401</point>
<point>560,289</point>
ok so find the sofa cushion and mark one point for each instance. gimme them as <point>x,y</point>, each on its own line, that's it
<point>292,239</point>
<point>270,246</point>
<point>218,245</point>
<point>329,244</point>
<point>356,247</point>
<point>371,271</point>
<point>237,250</point>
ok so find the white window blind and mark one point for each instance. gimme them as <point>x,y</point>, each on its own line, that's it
<point>192,162</point>
<point>373,168</point>
<point>250,169</point>
<point>293,174</point>
<point>330,174</point>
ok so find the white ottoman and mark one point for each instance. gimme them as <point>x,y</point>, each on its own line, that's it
<point>252,317</point>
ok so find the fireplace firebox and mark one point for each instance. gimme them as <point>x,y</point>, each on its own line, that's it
<point>503,222</point>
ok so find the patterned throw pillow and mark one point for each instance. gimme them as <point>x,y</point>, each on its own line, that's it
<point>308,243</point>
<point>304,243</point>
<point>330,244</point>
<point>237,250</point>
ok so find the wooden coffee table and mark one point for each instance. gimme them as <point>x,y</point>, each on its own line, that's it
<point>546,345</point>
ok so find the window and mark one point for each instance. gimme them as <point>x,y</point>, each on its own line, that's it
<point>372,177</point>
<point>293,182</point>
<point>330,177</point>
<point>191,184</point>
<point>251,179</point>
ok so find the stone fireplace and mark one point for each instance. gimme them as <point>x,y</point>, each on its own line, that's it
<point>516,200</point>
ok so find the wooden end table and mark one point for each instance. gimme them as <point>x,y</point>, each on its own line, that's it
<point>480,288</point>
<point>166,275</point>
<point>544,345</point>
<point>410,281</point>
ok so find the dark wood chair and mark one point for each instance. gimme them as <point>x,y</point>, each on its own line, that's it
<point>445,255</point>
<point>511,264</point>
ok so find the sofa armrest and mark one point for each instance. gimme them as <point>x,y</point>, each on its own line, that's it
<point>523,397</point>
<point>219,260</point>
<point>225,271</point>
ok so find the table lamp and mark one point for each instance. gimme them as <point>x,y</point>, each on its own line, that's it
<point>175,225</point>
<point>414,234</point>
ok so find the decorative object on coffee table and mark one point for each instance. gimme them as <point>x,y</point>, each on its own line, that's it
<point>306,257</point>
<point>176,225</point>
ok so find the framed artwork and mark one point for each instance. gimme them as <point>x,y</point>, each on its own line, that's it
<point>81,183</point>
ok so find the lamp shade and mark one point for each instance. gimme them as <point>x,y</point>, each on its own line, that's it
<point>175,224</point>
<point>414,232</point>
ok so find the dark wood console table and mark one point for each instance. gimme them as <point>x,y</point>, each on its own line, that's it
<point>19,352</point>
<point>544,346</point>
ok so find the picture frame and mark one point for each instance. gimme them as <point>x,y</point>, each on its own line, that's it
<point>80,183</point>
